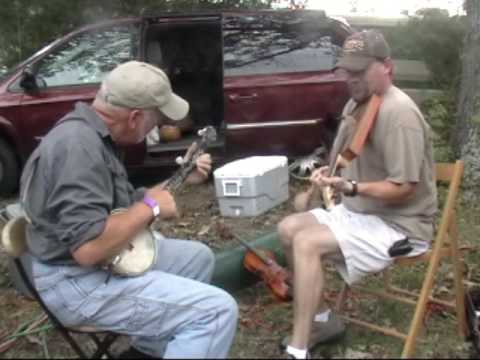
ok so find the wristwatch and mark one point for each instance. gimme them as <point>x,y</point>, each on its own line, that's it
<point>152,204</point>
<point>354,191</point>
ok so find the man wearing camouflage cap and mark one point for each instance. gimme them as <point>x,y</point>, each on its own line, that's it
<point>70,185</point>
<point>388,195</point>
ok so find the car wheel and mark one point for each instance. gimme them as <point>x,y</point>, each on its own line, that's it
<point>301,168</point>
<point>9,169</point>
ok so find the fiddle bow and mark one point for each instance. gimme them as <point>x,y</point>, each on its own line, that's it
<point>353,149</point>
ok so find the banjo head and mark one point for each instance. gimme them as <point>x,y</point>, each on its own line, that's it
<point>139,257</point>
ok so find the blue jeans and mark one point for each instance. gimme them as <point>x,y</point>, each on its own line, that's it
<point>169,312</point>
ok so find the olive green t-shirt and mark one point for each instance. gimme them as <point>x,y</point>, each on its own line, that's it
<point>398,149</point>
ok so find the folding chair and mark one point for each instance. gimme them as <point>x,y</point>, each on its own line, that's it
<point>14,241</point>
<point>445,245</point>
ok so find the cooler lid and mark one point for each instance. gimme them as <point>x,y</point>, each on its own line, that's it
<point>251,166</point>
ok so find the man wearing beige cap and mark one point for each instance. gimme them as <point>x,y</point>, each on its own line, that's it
<point>388,195</point>
<point>70,185</point>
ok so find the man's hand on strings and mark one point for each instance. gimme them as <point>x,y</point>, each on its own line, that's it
<point>321,179</point>
<point>203,165</point>
<point>319,176</point>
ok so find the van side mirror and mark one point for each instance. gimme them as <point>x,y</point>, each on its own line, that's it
<point>30,83</point>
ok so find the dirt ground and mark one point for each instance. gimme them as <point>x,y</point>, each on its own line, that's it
<point>263,322</point>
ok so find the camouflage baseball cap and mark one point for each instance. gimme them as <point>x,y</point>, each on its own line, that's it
<point>138,85</point>
<point>361,49</point>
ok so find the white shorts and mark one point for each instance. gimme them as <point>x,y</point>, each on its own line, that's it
<point>364,241</point>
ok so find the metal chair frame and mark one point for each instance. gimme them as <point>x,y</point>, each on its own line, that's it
<point>13,238</point>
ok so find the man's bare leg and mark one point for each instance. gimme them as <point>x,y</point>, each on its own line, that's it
<point>289,227</point>
<point>309,246</point>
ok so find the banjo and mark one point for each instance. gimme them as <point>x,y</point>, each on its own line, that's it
<point>140,254</point>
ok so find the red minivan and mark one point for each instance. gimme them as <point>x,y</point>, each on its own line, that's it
<point>263,79</point>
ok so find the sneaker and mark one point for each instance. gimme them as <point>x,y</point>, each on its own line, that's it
<point>322,332</point>
<point>290,356</point>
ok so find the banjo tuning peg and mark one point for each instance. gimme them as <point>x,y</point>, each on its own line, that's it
<point>179,160</point>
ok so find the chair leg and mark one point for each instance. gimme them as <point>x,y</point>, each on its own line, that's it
<point>458,280</point>
<point>103,345</point>
<point>72,343</point>
<point>342,296</point>
<point>386,280</point>
<point>422,302</point>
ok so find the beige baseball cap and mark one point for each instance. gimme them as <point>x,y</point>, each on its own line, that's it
<point>361,49</point>
<point>138,85</point>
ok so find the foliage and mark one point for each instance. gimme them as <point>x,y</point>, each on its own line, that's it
<point>434,37</point>
<point>439,111</point>
<point>466,137</point>
<point>29,24</point>
<point>437,39</point>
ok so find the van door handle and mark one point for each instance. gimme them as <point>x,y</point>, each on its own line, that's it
<point>237,97</point>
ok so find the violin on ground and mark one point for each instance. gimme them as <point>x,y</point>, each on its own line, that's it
<point>263,264</point>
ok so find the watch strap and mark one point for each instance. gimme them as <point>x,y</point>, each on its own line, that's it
<point>354,191</point>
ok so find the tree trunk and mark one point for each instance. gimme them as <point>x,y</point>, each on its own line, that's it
<point>466,138</point>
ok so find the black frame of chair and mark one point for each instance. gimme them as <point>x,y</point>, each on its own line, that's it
<point>103,345</point>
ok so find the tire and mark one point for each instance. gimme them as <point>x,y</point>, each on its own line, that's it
<point>9,169</point>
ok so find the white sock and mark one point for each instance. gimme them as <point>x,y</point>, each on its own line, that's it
<point>322,317</point>
<point>297,353</point>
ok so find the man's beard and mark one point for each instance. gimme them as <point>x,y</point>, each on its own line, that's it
<point>363,97</point>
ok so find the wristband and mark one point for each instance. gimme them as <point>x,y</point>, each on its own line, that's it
<point>152,204</point>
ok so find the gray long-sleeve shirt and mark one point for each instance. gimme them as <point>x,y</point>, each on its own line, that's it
<point>77,180</point>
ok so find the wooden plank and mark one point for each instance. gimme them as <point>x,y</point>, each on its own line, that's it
<point>378,328</point>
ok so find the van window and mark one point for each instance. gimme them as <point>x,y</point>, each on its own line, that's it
<point>87,57</point>
<point>272,51</point>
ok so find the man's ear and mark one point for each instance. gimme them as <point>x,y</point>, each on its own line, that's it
<point>134,118</point>
<point>388,66</point>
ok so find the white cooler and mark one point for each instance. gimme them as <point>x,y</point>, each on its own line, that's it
<point>251,186</point>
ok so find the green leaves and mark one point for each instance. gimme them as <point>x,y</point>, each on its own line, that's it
<point>434,37</point>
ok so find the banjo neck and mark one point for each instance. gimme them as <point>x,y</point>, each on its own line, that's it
<point>174,183</point>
